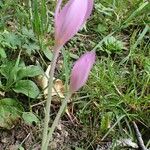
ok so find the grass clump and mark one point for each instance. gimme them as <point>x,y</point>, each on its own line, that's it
<point>118,91</point>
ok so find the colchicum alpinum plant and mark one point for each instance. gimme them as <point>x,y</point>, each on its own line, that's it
<point>68,21</point>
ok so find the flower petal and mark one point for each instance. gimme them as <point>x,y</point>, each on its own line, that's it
<point>89,9</point>
<point>81,70</point>
<point>59,17</point>
<point>69,20</point>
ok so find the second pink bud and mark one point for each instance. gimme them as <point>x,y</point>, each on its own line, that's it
<point>81,70</point>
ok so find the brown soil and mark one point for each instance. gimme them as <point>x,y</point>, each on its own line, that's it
<point>20,135</point>
<point>67,137</point>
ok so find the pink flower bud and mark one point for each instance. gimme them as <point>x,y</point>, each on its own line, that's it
<point>70,18</point>
<point>81,70</point>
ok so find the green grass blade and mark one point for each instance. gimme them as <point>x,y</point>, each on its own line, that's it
<point>36,18</point>
<point>135,13</point>
<point>146,29</point>
<point>43,16</point>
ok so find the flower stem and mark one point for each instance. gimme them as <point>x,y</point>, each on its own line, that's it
<point>49,97</point>
<point>56,121</point>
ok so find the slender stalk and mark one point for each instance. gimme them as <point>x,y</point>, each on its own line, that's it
<point>56,121</point>
<point>49,97</point>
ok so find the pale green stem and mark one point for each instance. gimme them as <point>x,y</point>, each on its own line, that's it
<point>56,121</point>
<point>49,97</point>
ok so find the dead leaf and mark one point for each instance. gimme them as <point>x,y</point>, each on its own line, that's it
<point>126,143</point>
<point>2,93</point>
<point>58,87</point>
<point>11,25</point>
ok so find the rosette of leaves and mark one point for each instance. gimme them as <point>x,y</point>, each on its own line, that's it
<point>16,77</point>
<point>113,45</point>
<point>15,40</point>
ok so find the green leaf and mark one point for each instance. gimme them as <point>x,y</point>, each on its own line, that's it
<point>106,121</point>
<point>147,64</point>
<point>27,87</point>
<point>28,33</point>
<point>13,72</point>
<point>29,71</point>
<point>48,53</point>
<point>74,56</point>
<point>135,13</point>
<point>12,39</point>
<point>29,118</point>
<point>101,28</point>
<point>2,53</point>
<point>36,18</point>
<point>31,48</point>
<point>10,112</point>
<point>20,148</point>
<point>6,68</point>
<point>9,70</point>
<point>112,45</point>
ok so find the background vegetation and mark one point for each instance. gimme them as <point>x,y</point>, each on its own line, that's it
<point>118,90</point>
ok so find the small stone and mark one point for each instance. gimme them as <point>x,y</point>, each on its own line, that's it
<point>59,127</point>
<point>13,147</point>
<point>53,145</point>
<point>4,140</point>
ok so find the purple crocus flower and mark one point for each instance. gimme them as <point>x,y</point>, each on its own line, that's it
<point>81,70</point>
<point>70,18</point>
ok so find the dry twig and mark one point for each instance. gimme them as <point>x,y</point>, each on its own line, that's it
<point>139,137</point>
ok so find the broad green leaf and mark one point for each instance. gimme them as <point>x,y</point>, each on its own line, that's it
<point>28,33</point>
<point>48,53</point>
<point>27,87</point>
<point>6,69</point>
<point>20,148</point>
<point>10,112</point>
<point>29,71</point>
<point>2,53</point>
<point>31,48</point>
<point>29,118</point>
<point>12,39</point>
<point>9,70</point>
<point>14,70</point>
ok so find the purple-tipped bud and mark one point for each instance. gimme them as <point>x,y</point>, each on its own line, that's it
<point>81,70</point>
<point>70,18</point>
